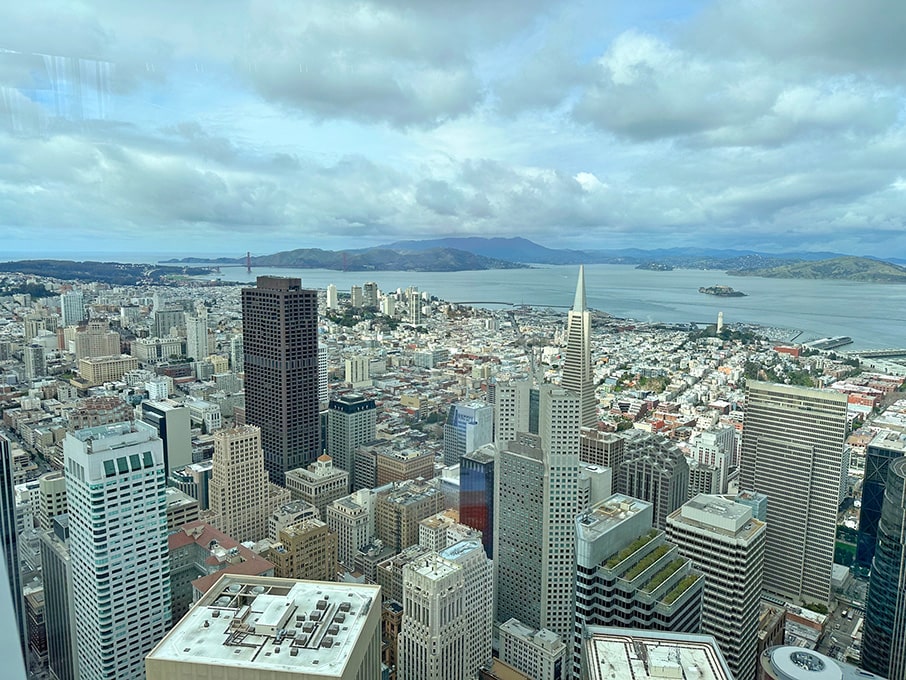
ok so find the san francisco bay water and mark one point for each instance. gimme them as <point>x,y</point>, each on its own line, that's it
<point>873,315</point>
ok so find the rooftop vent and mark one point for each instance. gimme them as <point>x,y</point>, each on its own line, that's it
<point>327,641</point>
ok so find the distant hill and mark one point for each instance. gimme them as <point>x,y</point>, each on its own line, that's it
<point>384,259</point>
<point>843,268</point>
<point>509,249</point>
<point>106,272</point>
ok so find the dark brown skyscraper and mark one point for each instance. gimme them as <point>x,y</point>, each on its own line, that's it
<point>280,343</point>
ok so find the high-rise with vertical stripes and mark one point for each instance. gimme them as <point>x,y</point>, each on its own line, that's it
<point>280,345</point>
<point>792,451</point>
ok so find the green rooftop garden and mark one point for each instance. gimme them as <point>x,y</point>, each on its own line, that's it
<point>680,588</point>
<point>646,561</point>
<point>631,548</point>
<point>663,575</point>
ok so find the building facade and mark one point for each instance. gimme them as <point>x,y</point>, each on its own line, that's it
<point>792,451</point>
<point>578,374</point>
<point>280,346</point>
<point>115,485</point>
<point>726,544</point>
<point>351,421</point>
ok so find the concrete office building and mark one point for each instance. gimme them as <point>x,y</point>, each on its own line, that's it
<point>289,514</point>
<point>515,410</point>
<point>629,575</point>
<point>97,371</point>
<point>197,344</point>
<point>268,628</point>
<point>280,344</point>
<point>305,550</point>
<point>539,654</point>
<point>9,540</point>
<point>351,518</point>
<point>51,498</point>
<point>33,358</point>
<point>535,505</point>
<point>97,340</point>
<point>172,422</point>
<point>400,507</point>
<point>357,372</point>
<point>604,449</point>
<point>59,608</point>
<point>476,493</point>
<point>653,469</point>
<point>796,663</point>
<point>468,427</point>
<point>578,374</point>
<point>323,390</point>
<point>320,484</point>
<point>392,464</point>
<point>115,484</point>
<point>716,447</point>
<point>351,421</point>
<point>478,575</point>
<point>241,497</point>
<point>885,447</point>
<point>884,639</point>
<point>434,637</point>
<point>95,411</point>
<point>194,481</point>
<point>237,354</point>
<point>792,451</point>
<point>726,544</point>
<point>167,322</point>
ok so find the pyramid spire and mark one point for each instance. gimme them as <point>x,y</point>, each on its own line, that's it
<point>579,302</point>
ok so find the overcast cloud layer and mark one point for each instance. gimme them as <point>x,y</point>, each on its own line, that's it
<point>217,128</point>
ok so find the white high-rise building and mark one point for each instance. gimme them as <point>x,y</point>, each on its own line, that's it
<point>512,410</point>
<point>72,308</point>
<point>726,543</point>
<point>116,492</point>
<point>478,572</point>
<point>332,301</point>
<point>237,358</point>
<point>535,505</point>
<point>351,518</point>
<point>323,393</point>
<point>469,426</point>
<point>432,643</point>
<point>578,374</point>
<point>197,334</point>
<point>716,447</point>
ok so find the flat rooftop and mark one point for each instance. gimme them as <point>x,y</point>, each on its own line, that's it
<point>719,514</point>
<point>273,624</point>
<point>605,515</point>
<point>620,653</point>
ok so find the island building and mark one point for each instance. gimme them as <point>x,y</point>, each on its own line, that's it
<point>468,427</point>
<point>578,374</point>
<point>268,628</point>
<point>280,348</point>
<point>884,640</point>
<point>351,421</point>
<point>726,544</point>
<point>535,504</point>
<point>116,490</point>
<point>629,575</point>
<point>886,446</point>
<point>611,653</point>
<point>792,451</point>
<point>320,484</point>
<point>476,493</point>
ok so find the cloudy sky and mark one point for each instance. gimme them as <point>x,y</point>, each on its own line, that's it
<point>216,128</point>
